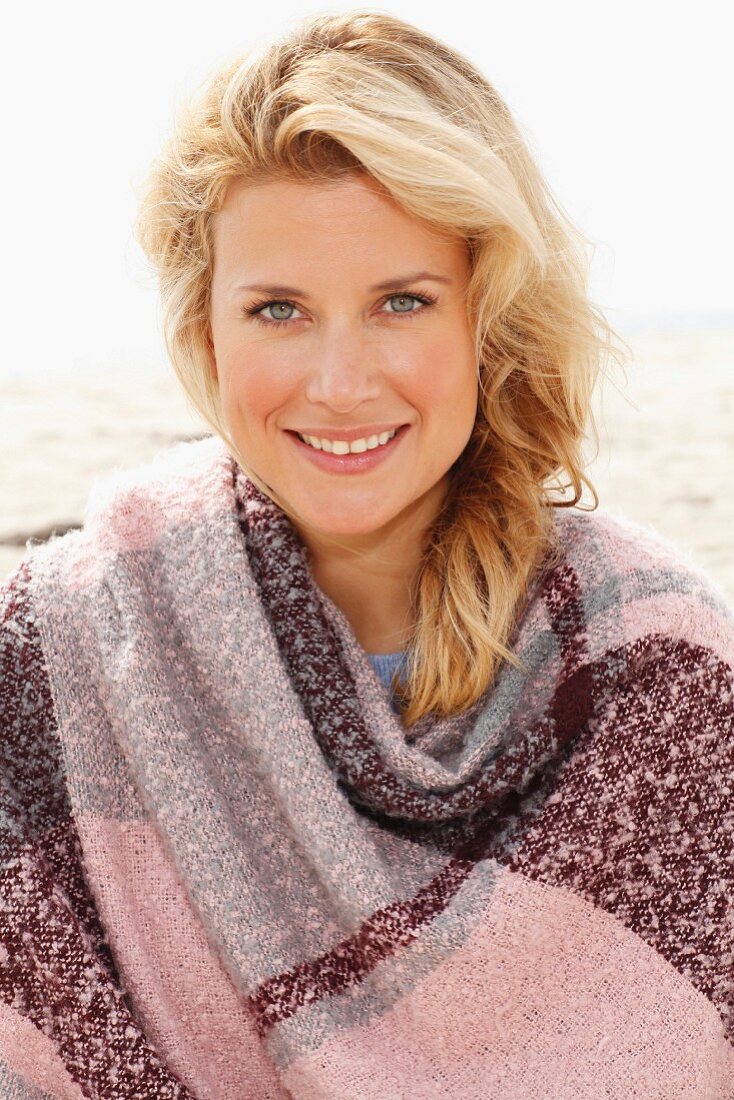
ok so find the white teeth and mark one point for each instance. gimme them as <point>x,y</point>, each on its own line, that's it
<point>341,447</point>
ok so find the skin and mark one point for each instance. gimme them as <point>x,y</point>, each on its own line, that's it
<point>345,356</point>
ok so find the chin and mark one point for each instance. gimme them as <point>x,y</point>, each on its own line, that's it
<point>355,521</point>
<point>346,528</point>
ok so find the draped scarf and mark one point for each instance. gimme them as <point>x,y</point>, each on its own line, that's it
<point>301,897</point>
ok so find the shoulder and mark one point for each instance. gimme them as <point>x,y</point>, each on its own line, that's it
<point>611,539</point>
<point>608,548</point>
<point>635,582</point>
<point>179,483</point>
<point>130,509</point>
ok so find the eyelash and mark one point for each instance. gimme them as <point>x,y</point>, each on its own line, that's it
<point>254,310</point>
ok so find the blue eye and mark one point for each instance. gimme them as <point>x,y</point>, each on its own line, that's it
<point>270,320</point>
<point>256,311</point>
<point>408,297</point>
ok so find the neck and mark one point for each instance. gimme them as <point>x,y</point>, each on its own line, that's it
<point>370,579</point>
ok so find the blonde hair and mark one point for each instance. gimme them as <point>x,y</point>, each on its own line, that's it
<point>365,91</point>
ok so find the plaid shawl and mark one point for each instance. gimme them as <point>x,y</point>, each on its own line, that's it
<point>228,871</point>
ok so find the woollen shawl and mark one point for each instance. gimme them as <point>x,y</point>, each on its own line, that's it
<point>291,895</point>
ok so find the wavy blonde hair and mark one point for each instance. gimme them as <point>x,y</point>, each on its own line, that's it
<point>364,91</point>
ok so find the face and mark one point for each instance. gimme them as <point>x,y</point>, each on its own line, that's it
<point>358,325</point>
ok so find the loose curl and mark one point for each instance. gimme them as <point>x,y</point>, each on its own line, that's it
<point>364,91</point>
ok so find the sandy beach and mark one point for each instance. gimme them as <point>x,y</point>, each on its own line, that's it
<point>665,457</point>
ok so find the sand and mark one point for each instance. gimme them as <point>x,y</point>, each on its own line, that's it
<point>665,458</point>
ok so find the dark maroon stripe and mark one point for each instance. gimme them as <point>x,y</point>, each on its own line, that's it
<point>561,592</point>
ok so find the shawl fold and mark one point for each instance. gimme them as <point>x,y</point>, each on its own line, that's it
<point>229,871</point>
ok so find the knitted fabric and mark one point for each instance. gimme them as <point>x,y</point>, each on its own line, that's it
<point>228,871</point>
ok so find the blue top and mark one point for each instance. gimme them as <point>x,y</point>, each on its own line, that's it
<point>385,665</point>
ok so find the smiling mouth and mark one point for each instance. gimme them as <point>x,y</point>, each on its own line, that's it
<point>344,447</point>
<point>354,461</point>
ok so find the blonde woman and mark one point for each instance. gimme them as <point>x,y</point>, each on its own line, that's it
<point>344,755</point>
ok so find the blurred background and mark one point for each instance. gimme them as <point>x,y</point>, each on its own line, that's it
<point>626,109</point>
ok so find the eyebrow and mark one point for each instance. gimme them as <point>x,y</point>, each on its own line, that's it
<point>395,283</point>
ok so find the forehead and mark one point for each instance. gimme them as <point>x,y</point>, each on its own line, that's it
<point>326,222</point>
<point>357,190</point>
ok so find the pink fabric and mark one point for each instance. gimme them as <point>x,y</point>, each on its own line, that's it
<point>490,1022</point>
<point>152,928</point>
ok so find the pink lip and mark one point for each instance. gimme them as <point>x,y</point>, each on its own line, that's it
<point>349,463</point>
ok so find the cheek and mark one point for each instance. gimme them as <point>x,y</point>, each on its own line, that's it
<point>252,384</point>
<point>445,376</point>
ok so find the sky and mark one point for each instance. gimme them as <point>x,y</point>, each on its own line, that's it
<point>626,108</point>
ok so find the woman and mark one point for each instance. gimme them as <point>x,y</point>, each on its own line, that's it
<point>342,758</point>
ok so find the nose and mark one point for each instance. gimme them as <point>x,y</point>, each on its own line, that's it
<point>343,372</point>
